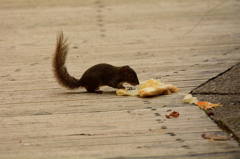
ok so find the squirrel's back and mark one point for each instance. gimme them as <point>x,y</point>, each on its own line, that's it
<point>60,71</point>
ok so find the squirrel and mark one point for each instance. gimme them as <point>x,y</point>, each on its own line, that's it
<point>98,75</point>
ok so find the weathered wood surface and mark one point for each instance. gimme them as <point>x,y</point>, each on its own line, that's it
<point>182,42</point>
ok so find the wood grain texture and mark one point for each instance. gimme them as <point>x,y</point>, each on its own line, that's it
<point>181,42</point>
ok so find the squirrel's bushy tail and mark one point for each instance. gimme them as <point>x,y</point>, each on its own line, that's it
<point>60,71</point>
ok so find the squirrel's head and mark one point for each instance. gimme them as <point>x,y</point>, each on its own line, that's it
<point>129,75</point>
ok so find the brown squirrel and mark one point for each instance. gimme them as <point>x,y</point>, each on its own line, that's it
<point>96,76</point>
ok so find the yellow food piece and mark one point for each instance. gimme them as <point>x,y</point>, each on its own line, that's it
<point>190,99</point>
<point>126,92</point>
<point>151,91</point>
<point>121,92</point>
<point>151,83</point>
<point>151,87</point>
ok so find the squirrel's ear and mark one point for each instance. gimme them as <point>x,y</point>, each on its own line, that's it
<point>124,69</point>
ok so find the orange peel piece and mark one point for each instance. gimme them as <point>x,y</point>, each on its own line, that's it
<point>205,105</point>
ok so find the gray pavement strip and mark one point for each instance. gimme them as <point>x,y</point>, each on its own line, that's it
<point>223,89</point>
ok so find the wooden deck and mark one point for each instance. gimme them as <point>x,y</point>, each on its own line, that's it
<point>182,42</point>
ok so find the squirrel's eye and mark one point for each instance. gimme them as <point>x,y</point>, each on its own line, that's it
<point>131,76</point>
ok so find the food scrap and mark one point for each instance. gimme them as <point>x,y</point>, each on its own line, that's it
<point>173,114</point>
<point>207,105</point>
<point>190,99</point>
<point>149,88</point>
<point>203,105</point>
<point>215,136</point>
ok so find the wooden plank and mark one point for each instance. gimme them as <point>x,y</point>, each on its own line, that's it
<point>182,42</point>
